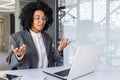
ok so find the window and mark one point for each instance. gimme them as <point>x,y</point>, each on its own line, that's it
<point>91,21</point>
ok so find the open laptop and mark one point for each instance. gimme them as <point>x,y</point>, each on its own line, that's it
<point>85,62</point>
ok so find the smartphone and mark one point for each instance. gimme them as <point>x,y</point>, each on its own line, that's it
<point>11,76</point>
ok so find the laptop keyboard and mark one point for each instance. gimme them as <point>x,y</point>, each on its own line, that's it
<point>63,73</point>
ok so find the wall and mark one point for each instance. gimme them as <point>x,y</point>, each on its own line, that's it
<point>4,31</point>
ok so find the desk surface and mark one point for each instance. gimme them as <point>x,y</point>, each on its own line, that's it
<point>102,73</point>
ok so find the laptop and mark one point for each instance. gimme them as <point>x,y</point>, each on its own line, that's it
<point>84,62</point>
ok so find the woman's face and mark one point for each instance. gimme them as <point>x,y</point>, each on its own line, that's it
<point>39,21</point>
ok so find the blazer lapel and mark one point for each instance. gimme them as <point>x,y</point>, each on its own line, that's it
<point>32,49</point>
<point>29,39</point>
<point>46,42</point>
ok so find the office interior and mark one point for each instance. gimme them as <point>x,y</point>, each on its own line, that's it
<point>81,21</point>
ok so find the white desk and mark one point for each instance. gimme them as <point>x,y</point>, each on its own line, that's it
<point>102,73</point>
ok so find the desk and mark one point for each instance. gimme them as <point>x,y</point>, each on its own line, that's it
<point>102,73</point>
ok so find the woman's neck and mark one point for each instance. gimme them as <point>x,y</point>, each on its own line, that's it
<point>36,31</point>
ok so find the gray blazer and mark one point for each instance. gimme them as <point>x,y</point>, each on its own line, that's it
<point>30,59</point>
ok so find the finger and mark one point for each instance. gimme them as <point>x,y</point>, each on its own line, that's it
<point>62,39</point>
<point>12,46</point>
<point>68,42</point>
<point>20,51</point>
<point>15,50</point>
<point>63,43</point>
<point>24,49</point>
<point>24,45</point>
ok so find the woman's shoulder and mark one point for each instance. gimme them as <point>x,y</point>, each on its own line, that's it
<point>20,33</point>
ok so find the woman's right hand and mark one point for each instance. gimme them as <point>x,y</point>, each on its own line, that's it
<point>19,51</point>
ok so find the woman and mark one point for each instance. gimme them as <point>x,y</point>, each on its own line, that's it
<point>32,47</point>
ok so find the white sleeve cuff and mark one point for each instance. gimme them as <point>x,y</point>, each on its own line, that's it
<point>20,58</point>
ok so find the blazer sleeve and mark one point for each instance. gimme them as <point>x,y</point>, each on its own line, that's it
<point>12,59</point>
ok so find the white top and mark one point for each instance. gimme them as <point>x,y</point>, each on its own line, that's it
<point>38,41</point>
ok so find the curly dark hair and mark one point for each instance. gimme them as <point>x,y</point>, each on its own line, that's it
<point>27,12</point>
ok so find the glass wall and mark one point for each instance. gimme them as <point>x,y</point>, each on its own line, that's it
<point>91,21</point>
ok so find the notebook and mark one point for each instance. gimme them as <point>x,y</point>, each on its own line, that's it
<point>85,62</point>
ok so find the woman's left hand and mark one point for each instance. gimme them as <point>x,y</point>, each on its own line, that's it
<point>63,43</point>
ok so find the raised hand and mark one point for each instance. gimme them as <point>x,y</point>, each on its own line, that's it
<point>19,51</point>
<point>63,43</point>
